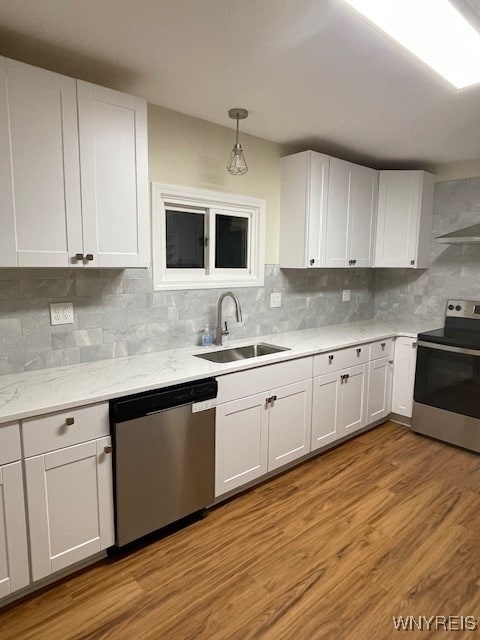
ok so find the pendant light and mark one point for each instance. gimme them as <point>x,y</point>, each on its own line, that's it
<point>236,163</point>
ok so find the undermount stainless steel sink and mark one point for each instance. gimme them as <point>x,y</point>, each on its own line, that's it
<point>241,353</point>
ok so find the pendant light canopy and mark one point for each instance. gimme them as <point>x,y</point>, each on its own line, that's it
<point>237,165</point>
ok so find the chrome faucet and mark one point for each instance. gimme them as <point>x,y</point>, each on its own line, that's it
<point>220,331</point>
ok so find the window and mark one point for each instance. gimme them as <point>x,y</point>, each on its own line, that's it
<point>205,239</point>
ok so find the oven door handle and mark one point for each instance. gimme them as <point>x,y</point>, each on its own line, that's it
<point>446,347</point>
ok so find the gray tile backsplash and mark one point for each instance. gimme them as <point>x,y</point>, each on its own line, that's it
<point>454,271</point>
<point>117,313</point>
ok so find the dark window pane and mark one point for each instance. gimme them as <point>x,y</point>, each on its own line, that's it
<point>231,236</point>
<point>185,240</point>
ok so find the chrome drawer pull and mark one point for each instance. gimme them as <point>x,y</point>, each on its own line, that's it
<point>108,449</point>
<point>69,421</point>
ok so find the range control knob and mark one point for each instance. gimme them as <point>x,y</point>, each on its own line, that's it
<point>451,307</point>
<point>458,308</point>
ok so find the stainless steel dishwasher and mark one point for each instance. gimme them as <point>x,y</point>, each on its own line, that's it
<point>164,456</point>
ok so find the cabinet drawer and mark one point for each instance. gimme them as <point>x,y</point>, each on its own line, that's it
<point>10,450</point>
<point>65,428</point>
<point>381,349</point>
<point>340,359</point>
<point>247,383</point>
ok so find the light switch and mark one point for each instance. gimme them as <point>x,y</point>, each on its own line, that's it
<point>346,295</point>
<point>61,313</point>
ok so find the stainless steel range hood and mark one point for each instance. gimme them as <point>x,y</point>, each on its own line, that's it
<point>469,235</point>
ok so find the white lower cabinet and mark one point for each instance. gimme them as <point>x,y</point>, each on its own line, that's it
<point>289,423</point>
<point>325,410</point>
<point>241,447</point>
<point>404,376</point>
<point>379,389</point>
<point>14,571</point>
<point>353,387</point>
<point>339,404</point>
<point>260,433</point>
<point>70,505</point>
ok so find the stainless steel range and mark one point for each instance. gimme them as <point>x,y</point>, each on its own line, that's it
<point>447,378</point>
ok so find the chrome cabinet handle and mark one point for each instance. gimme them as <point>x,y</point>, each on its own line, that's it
<point>273,398</point>
<point>89,257</point>
<point>359,351</point>
<point>412,262</point>
<point>69,421</point>
<point>79,256</point>
<point>108,449</point>
<point>330,358</point>
<point>312,262</point>
<point>383,345</point>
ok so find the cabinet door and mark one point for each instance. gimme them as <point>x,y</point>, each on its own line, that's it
<point>14,572</point>
<point>353,389</point>
<point>362,215</point>
<point>241,442</point>
<point>289,423</point>
<point>379,389</point>
<point>113,160</point>
<point>404,376</point>
<point>337,227</point>
<point>70,505</point>
<point>325,410</point>
<point>303,209</point>
<point>317,210</point>
<point>399,198</point>
<point>39,169</point>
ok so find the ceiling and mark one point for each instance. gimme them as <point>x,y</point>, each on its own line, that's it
<point>313,73</point>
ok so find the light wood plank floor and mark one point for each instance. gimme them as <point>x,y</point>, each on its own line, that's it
<point>386,524</point>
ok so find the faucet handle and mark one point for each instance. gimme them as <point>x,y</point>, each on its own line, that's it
<point>225,331</point>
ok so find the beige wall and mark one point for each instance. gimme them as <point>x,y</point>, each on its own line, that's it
<point>192,152</point>
<point>456,170</point>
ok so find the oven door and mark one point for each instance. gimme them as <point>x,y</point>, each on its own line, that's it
<point>448,378</point>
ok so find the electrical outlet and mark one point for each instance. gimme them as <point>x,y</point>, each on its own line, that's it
<point>346,295</point>
<point>275,299</point>
<point>61,313</point>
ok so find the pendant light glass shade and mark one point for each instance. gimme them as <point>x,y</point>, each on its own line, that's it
<point>237,165</point>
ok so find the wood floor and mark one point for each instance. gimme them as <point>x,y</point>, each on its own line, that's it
<point>385,525</point>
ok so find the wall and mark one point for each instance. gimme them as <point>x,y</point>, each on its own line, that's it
<point>117,313</point>
<point>192,152</point>
<point>455,170</point>
<point>455,270</point>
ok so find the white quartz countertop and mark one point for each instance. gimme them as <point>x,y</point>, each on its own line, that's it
<point>34,393</point>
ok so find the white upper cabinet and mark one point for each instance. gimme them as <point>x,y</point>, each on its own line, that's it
<point>352,203</point>
<point>39,171</point>
<point>328,212</point>
<point>405,211</point>
<point>113,164</point>
<point>303,210</point>
<point>73,172</point>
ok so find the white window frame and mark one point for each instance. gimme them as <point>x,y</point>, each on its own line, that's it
<point>210,203</point>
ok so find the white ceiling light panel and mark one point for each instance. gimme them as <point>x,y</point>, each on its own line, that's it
<point>434,31</point>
